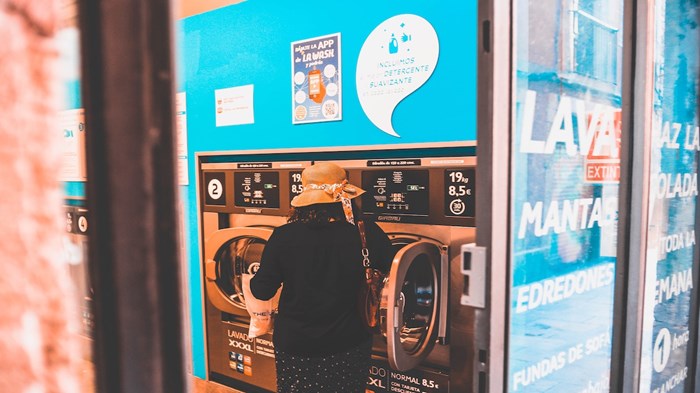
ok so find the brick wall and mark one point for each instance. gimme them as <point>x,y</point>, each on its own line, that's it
<point>38,342</point>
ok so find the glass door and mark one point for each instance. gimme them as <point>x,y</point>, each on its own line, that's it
<point>229,253</point>
<point>411,304</point>
<point>668,344</point>
<point>565,175</point>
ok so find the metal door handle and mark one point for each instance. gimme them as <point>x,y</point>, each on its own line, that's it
<point>473,267</point>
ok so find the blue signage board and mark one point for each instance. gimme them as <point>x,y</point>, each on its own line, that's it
<point>565,181</point>
<point>667,340</point>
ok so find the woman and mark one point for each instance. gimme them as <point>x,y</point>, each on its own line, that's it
<point>320,342</point>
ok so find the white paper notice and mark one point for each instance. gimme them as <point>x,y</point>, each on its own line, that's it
<point>234,106</point>
<point>72,126</point>
<point>181,129</point>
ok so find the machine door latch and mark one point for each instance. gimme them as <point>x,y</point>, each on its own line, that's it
<point>473,266</point>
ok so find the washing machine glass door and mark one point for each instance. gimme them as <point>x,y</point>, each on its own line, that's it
<point>410,303</point>
<point>228,254</point>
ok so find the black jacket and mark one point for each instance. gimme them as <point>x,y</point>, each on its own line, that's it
<point>320,267</point>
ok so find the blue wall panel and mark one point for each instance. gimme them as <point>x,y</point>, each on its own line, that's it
<point>250,43</point>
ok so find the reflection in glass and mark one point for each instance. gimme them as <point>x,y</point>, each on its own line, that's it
<point>75,249</point>
<point>595,41</point>
<point>566,172</point>
<point>239,255</point>
<point>70,125</point>
<point>667,339</point>
<point>418,302</point>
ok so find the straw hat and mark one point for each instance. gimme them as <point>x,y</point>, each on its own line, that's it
<point>325,182</point>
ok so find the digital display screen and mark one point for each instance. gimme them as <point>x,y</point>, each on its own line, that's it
<point>257,189</point>
<point>396,192</point>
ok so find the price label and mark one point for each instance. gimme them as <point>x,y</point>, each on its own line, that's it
<point>215,188</point>
<point>295,187</point>
<point>382,379</point>
<point>459,192</point>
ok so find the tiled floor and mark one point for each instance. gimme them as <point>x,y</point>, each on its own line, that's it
<point>87,376</point>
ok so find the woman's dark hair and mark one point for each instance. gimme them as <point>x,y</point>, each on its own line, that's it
<point>321,213</point>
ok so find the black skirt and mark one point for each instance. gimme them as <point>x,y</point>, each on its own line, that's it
<point>341,372</point>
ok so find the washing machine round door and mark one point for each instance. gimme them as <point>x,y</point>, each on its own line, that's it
<point>410,304</point>
<point>228,254</point>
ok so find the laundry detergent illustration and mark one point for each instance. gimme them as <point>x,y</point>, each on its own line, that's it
<point>397,58</point>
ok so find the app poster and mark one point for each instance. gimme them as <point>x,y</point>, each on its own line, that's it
<point>316,80</point>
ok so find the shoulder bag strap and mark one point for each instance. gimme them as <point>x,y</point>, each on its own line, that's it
<point>363,238</point>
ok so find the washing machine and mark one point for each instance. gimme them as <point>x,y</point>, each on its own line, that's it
<point>241,204</point>
<point>426,207</point>
<point>75,248</point>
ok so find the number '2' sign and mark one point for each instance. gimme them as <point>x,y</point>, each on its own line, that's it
<point>215,188</point>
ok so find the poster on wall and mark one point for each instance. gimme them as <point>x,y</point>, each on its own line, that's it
<point>72,126</point>
<point>316,80</point>
<point>234,106</point>
<point>397,58</point>
<point>181,137</point>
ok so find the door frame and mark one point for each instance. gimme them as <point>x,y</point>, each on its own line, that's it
<point>494,117</point>
<point>127,81</point>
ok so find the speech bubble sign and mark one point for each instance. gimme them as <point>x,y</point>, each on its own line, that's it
<point>396,59</point>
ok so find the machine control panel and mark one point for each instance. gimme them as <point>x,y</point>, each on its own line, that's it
<point>265,188</point>
<point>76,220</point>
<point>396,191</point>
<point>257,189</point>
<point>438,191</point>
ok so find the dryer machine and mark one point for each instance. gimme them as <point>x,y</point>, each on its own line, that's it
<point>241,204</point>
